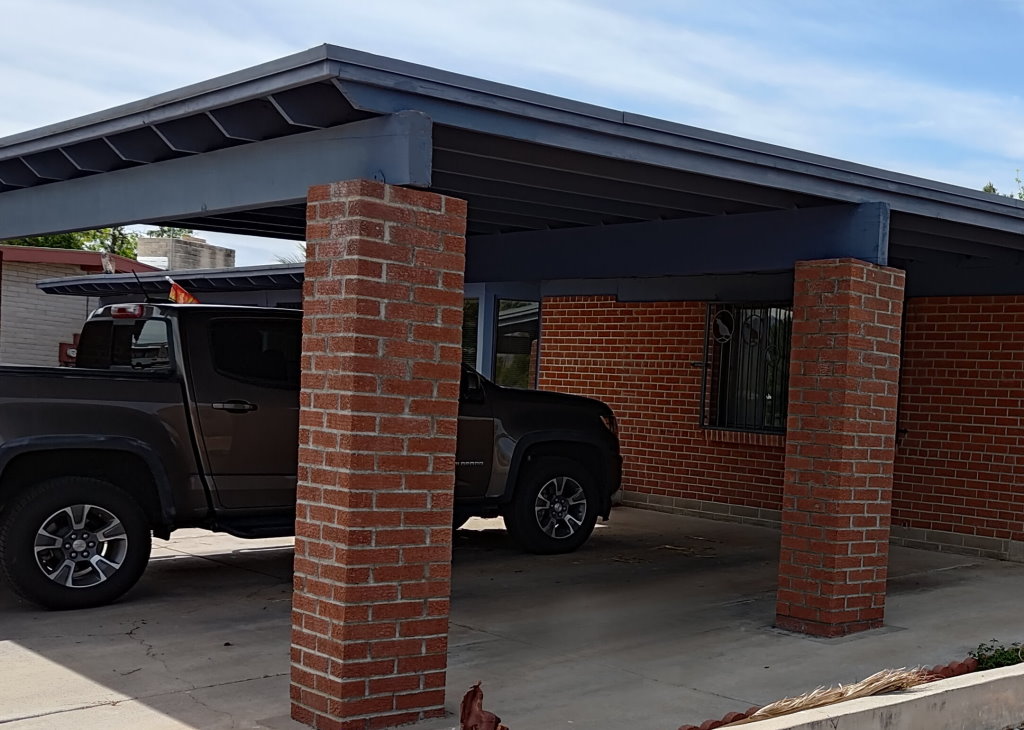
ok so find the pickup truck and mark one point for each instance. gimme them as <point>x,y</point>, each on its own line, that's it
<point>181,416</point>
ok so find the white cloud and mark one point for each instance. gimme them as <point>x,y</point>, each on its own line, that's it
<point>60,59</point>
<point>744,85</point>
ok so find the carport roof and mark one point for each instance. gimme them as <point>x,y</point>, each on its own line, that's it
<point>524,160</point>
<point>270,277</point>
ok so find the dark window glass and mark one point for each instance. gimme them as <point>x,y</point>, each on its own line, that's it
<point>746,367</point>
<point>264,352</point>
<point>517,337</point>
<point>470,329</point>
<point>142,344</point>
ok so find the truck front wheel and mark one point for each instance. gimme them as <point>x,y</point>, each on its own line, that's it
<point>554,508</point>
<point>73,542</point>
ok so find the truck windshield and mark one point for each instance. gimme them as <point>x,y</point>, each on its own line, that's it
<point>134,345</point>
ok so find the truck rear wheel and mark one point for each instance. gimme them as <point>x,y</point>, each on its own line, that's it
<point>554,508</point>
<point>73,542</point>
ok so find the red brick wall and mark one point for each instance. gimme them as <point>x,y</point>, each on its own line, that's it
<point>840,444</point>
<point>959,463</point>
<point>960,454</point>
<point>639,358</point>
<point>380,358</point>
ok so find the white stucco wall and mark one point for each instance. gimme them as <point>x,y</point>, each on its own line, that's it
<point>33,324</point>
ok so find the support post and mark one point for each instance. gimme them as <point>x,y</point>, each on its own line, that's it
<point>379,403</point>
<point>840,445</point>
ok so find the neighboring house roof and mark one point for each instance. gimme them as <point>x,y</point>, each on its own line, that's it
<point>86,260</point>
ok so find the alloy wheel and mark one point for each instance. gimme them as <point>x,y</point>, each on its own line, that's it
<point>80,546</point>
<point>561,507</point>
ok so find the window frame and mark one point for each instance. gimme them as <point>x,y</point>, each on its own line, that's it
<point>712,415</point>
<point>216,322</point>
<point>532,374</point>
<point>170,368</point>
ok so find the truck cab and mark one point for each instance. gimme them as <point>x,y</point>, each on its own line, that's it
<point>188,416</point>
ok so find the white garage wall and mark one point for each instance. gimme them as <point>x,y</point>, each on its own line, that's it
<point>33,324</point>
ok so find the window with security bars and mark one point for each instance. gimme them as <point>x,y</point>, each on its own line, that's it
<point>746,367</point>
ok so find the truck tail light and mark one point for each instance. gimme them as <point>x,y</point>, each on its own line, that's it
<point>126,311</point>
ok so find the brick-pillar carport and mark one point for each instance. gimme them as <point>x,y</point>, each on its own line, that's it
<point>565,199</point>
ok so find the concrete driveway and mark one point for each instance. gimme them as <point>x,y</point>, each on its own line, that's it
<point>659,621</point>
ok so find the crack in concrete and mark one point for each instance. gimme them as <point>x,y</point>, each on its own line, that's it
<point>205,706</point>
<point>575,657</point>
<point>89,706</point>
<point>930,571</point>
<point>152,653</point>
<point>229,564</point>
<point>143,699</point>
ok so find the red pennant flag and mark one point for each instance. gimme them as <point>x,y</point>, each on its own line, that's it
<point>180,294</point>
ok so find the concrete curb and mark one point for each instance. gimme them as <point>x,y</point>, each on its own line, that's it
<point>942,671</point>
<point>988,700</point>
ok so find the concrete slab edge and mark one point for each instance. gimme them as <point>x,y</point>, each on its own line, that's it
<point>936,540</point>
<point>720,511</point>
<point>988,700</point>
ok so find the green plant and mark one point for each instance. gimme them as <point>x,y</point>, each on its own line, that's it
<point>996,654</point>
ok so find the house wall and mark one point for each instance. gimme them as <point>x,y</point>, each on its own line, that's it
<point>959,470</point>
<point>184,253</point>
<point>33,324</point>
<point>641,358</point>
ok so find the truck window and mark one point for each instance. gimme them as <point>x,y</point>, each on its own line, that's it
<point>261,351</point>
<point>136,345</point>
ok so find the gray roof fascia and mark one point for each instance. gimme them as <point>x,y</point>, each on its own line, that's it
<point>396,148</point>
<point>382,85</point>
<point>242,278</point>
<point>297,69</point>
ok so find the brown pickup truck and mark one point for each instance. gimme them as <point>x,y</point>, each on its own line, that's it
<point>187,416</point>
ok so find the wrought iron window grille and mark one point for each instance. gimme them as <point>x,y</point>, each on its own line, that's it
<point>746,367</point>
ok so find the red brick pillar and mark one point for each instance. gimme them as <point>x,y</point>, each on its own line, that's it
<point>840,444</point>
<point>381,350</point>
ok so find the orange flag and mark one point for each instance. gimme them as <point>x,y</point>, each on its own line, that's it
<point>180,294</point>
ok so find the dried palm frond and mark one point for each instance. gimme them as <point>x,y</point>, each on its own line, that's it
<point>888,680</point>
<point>473,715</point>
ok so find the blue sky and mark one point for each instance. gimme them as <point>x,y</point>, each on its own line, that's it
<point>925,87</point>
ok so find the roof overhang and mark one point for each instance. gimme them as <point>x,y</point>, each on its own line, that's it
<point>87,260</point>
<point>525,161</point>
<point>154,283</point>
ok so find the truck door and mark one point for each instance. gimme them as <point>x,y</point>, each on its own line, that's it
<point>474,450</point>
<point>245,378</point>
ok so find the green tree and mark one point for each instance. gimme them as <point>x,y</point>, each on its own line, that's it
<point>78,240</point>
<point>169,232</point>
<point>114,240</point>
<point>299,257</point>
<point>1019,194</point>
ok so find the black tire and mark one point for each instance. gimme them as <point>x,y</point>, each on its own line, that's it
<point>100,543</point>
<point>554,508</point>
